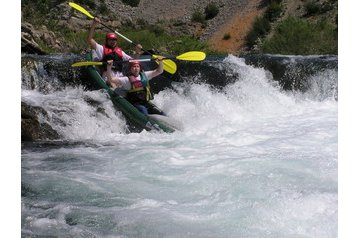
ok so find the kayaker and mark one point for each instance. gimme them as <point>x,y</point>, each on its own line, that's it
<point>136,84</point>
<point>110,50</point>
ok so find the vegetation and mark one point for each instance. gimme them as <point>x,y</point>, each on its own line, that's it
<point>132,3</point>
<point>226,36</point>
<point>311,8</point>
<point>260,28</point>
<point>269,34</point>
<point>198,16</point>
<point>299,37</point>
<point>164,43</point>
<point>294,35</point>
<point>211,10</point>
<point>273,11</point>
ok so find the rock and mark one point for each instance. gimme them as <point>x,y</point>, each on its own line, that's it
<point>31,127</point>
<point>30,38</point>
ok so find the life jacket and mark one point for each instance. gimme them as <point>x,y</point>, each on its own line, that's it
<point>115,54</point>
<point>140,91</point>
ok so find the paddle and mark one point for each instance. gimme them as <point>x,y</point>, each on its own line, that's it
<point>188,56</point>
<point>97,63</point>
<point>169,65</point>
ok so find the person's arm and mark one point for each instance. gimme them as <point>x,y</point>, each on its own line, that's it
<point>111,80</point>
<point>158,70</point>
<point>137,53</point>
<point>90,37</point>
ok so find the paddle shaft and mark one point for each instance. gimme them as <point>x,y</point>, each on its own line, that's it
<point>125,38</point>
<point>89,63</point>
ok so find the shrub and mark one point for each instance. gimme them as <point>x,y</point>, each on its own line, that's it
<point>156,29</point>
<point>198,16</point>
<point>211,10</point>
<point>273,11</point>
<point>300,37</point>
<point>265,3</point>
<point>260,28</point>
<point>103,8</point>
<point>311,8</point>
<point>141,22</point>
<point>226,36</point>
<point>132,3</point>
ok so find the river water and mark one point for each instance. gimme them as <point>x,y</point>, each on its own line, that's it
<point>252,160</point>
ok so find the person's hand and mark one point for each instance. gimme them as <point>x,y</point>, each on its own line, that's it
<point>138,49</point>
<point>97,20</point>
<point>159,58</point>
<point>109,64</point>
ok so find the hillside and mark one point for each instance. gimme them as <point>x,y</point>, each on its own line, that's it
<point>40,23</point>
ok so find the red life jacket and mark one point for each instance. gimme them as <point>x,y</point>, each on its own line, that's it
<point>115,54</point>
<point>118,51</point>
<point>136,84</point>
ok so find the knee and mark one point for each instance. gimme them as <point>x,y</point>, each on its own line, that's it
<point>142,109</point>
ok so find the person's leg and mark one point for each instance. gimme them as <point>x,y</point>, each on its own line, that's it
<point>142,109</point>
<point>121,92</point>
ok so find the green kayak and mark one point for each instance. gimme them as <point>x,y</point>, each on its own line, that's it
<point>134,117</point>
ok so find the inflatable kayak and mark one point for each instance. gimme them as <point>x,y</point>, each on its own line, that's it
<point>134,117</point>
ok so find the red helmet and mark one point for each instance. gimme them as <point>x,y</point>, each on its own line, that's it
<point>133,63</point>
<point>111,36</point>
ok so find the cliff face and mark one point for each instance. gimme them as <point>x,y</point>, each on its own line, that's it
<point>234,18</point>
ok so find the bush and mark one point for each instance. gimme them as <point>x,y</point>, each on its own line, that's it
<point>156,29</point>
<point>211,10</point>
<point>260,28</point>
<point>311,8</point>
<point>103,8</point>
<point>265,3</point>
<point>299,37</point>
<point>273,11</point>
<point>198,16</point>
<point>226,36</point>
<point>132,3</point>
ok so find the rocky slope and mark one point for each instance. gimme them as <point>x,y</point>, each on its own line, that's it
<point>235,18</point>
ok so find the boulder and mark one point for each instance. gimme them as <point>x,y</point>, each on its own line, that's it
<point>31,127</point>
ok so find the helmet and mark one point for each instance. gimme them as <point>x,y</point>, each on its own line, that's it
<point>133,63</point>
<point>111,36</point>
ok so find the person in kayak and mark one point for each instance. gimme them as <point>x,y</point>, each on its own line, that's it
<point>136,85</point>
<point>109,50</point>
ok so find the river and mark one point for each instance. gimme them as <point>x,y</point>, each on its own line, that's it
<point>257,156</point>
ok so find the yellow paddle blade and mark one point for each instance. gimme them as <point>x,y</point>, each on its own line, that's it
<point>169,65</point>
<point>86,63</point>
<point>81,9</point>
<point>192,56</point>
